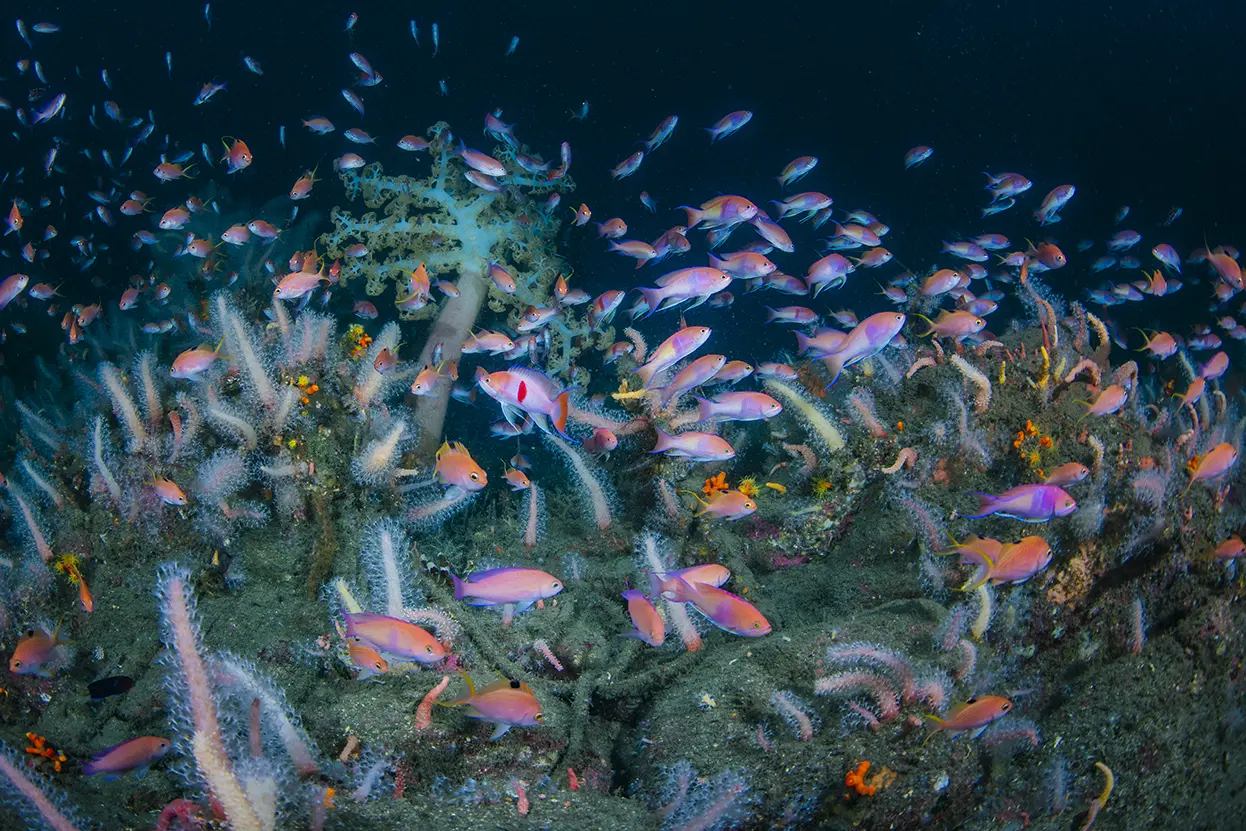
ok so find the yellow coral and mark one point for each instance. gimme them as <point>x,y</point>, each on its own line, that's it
<point>748,486</point>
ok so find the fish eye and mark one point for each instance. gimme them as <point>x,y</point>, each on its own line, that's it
<point>1007,706</point>
<point>557,585</point>
<point>756,625</point>
<point>428,649</point>
<point>16,664</point>
<point>475,477</point>
<point>377,667</point>
<point>540,716</point>
<point>515,684</point>
<point>973,700</point>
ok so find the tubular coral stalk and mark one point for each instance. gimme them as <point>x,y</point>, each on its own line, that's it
<point>451,328</point>
<point>181,629</point>
<point>640,348</point>
<point>242,347</point>
<point>123,407</point>
<point>32,525</point>
<point>151,397</point>
<point>676,612</point>
<point>33,793</point>
<point>533,523</point>
<point>982,400</point>
<point>596,495</point>
<point>906,459</point>
<point>920,363</point>
<point>814,417</point>
<point>1101,801</point>
<point>239,425</point>
<point>110,481</point>
<point>844,682</point>
<point>1088,365</point>
<point>805,452</point>
<point>424,713</point>
<point>41,483</point>
<point>863,403</point>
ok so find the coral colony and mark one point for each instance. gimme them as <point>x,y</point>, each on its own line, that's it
<point>387,520</point>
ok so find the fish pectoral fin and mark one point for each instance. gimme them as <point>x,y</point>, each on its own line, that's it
<point>499,730</point>
<point>524,606</point>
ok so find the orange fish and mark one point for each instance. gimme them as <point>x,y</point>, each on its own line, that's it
<point>729,505</point>
<point>505,703</point>
<point>366,660</point>
<point>14,220</point>
<point>455,466</point>
<point>517,479</point>
<point>974,715</point>
<point>303,187</point>
<point>38,653</point>
<point>237,155</point>
<point>394,636</point>
<point>648,624</point>
<point>168,491</point>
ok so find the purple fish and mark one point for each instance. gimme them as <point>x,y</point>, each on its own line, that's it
<point>870,337</point>
<point>135,754</point>
<point>1028,503</point>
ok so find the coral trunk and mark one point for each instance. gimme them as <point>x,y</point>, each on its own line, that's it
<point>451,328</point>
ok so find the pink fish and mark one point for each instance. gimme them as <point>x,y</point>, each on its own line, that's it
<point>724,211</point>
<point>973,716</point>
<point>1049,211</point>
<point>738,406</point>
<point>917,155</point>
<point>296,284</point>
<point>500,586</point>
<point>12,286</point>
<point>725,610</point>
<point>729,505</point>
<point>601,441</point>
<point>800,315</point>
<point>1212,464</point>
<point>1215,367</point>
<point>807,203</point>
<point>867,339</point>
<point>672,350</point>
<point>957,325</point>
<point>695,284</point>
<point>698,372</point>
<point>664,583</point>
<point>1014,562</point>
<point>1069,473</point>
<point>1109,401</point>
<point>188,365</point>
<point>743,264</point>
<point>648,624</point>
<point>611,228</point>
<point>728,124</point>
<point>1028,503</point>
<point>168,491</point>
<point>517,479</point>
<point>698,447</point>
<point>796,169</point>
<point>394,636</point>
<point>135,754</point>
<point>524,390</point>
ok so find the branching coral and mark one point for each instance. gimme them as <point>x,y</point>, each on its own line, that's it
<point>449,225</point>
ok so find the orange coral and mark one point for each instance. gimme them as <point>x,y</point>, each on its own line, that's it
<point>715,484</point>
<point>855,779</point>
<point>1045,442</point>
<point>40,747</point>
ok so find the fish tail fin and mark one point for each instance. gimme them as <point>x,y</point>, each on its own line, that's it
<point>935,725</point>
<point>694,215</point>
<point>985,565</point>
<point>835,365</point>
<point>646,374</point>
<point>653,297</point>
<point>705,409</point>
<point>928,321</point>
<point>656,585</point>
<point>986,505</point>
<point>663,443</point>
<point>460,590</point>
<point>771,315</point>
<point>562,407</point>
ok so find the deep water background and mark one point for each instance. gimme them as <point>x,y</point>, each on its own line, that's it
<point>1124,101</point>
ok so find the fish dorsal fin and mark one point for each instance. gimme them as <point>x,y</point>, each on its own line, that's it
<point>443,450</point>
<point>495,686</point>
